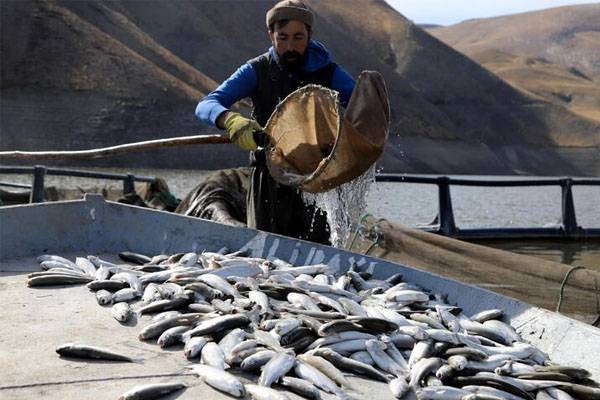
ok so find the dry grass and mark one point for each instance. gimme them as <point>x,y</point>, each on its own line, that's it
<point>551,54</point>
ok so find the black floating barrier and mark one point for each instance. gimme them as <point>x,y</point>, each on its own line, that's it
<point>444,223</point>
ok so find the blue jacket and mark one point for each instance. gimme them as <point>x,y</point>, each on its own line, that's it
<point>242,83</point>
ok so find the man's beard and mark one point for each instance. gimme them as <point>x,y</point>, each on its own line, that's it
<point>292,59</point>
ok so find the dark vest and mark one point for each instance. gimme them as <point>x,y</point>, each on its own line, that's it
<point>275,83</point>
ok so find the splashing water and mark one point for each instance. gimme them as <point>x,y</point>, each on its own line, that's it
<point>344,205</point>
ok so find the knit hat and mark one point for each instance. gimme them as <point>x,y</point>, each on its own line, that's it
<point>290,9</point>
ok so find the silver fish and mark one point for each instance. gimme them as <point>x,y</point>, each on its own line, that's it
<point>131,279</point>
<point>213,355</point>
<point>94,352</point>
<point>219,379</point>
<point>104,297</point>
<point>257,360</point>
<point>363,356</point>
<point>232,339</point>
<point>220,284</point>
<point>325,367</point>
<point>317,378</point>
<point>109,285</point>
<point>155,329</point>
<point>122,312</point>
<point>277,367</point>
<point>261,300</point>
<point>171,336</point>
<point>422,368</point>
<point>442,393</point>
<point>382,359</point>
<point>302,301</point>
<point>300,387</point>
<point>218,324</point>
<point>60,279</point>
<point>151,391</point>
<point>349,364</point>
<point>165,314</point>
<point>258,392</point>
<point>399,387</point>
<point>194,346</point>
<point>126,294</point>
<point>86,266</point>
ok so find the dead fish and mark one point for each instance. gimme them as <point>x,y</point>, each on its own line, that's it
<point>104,297</point>
<point>382,359</point>
<point>86,266</point>
<point>155,329</point>
<point>325,367</point>
<point>125,294</point>
<point>362,356</point>
<point>166,314</point>
<point>352,307</point>
<point>284,326</point>
<point>93,352</point>
<point>257,392</point>
<point>208,292</point>
<point>257,360</point>
<point>399,387</point>
<point>171,336</point>
<point>131,279</point>
<point>218,324</point>
<point>151,391</point>
<point>51,257</point>
<point>62,279</point>
<point>486,315</point>
<point>442,392</point>
<point>219,379</point>
<point>111,286</point>
<point>423,367</point>
<point>317,378</point>
<point>232,339</point>
<point>351,365</point>
<point>163,305</point>
<point>277,367</point>
<point>194,346</point>
<point>220,284</point>
<point>122,312</point>
<point>213,355</point>
<point>300,387</point>
<point>135,258</point>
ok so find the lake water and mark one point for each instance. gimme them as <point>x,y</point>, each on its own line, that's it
<point>413,204</point>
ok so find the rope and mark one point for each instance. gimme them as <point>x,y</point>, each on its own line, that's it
<point>563,284</point>
<point>375,243</point>
<point>358,226</point>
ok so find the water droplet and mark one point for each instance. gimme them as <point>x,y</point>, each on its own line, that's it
<point>344,205</point>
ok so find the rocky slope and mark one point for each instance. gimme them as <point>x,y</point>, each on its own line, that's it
<point>552,53</point>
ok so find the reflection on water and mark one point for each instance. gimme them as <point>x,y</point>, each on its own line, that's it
<point>586,254</point>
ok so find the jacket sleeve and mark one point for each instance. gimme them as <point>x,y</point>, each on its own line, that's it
<point>238,86</point>
<point>343,83</point>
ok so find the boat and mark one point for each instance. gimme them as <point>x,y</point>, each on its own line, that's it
<point>37,320</point>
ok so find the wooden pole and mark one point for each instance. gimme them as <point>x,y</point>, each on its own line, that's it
<point>112,150</point>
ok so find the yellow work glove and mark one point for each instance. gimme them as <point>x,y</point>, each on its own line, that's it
<point>241,129</point>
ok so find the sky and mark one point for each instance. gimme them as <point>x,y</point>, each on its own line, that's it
<point>448,12</point>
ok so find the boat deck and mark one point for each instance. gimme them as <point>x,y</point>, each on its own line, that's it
<point>37,320</point>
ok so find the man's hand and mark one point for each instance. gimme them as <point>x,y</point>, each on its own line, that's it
<point>241,129</point>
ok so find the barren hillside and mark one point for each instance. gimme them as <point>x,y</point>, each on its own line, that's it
<point>79,74</point>
<point>553,54</point>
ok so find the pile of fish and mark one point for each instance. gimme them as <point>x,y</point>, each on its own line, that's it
<point>302,328</point>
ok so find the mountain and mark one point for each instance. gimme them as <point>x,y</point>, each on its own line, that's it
<point>79,74</point>
<point>551,54</point>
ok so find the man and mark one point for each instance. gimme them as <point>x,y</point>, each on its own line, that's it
<point>293,61</point>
